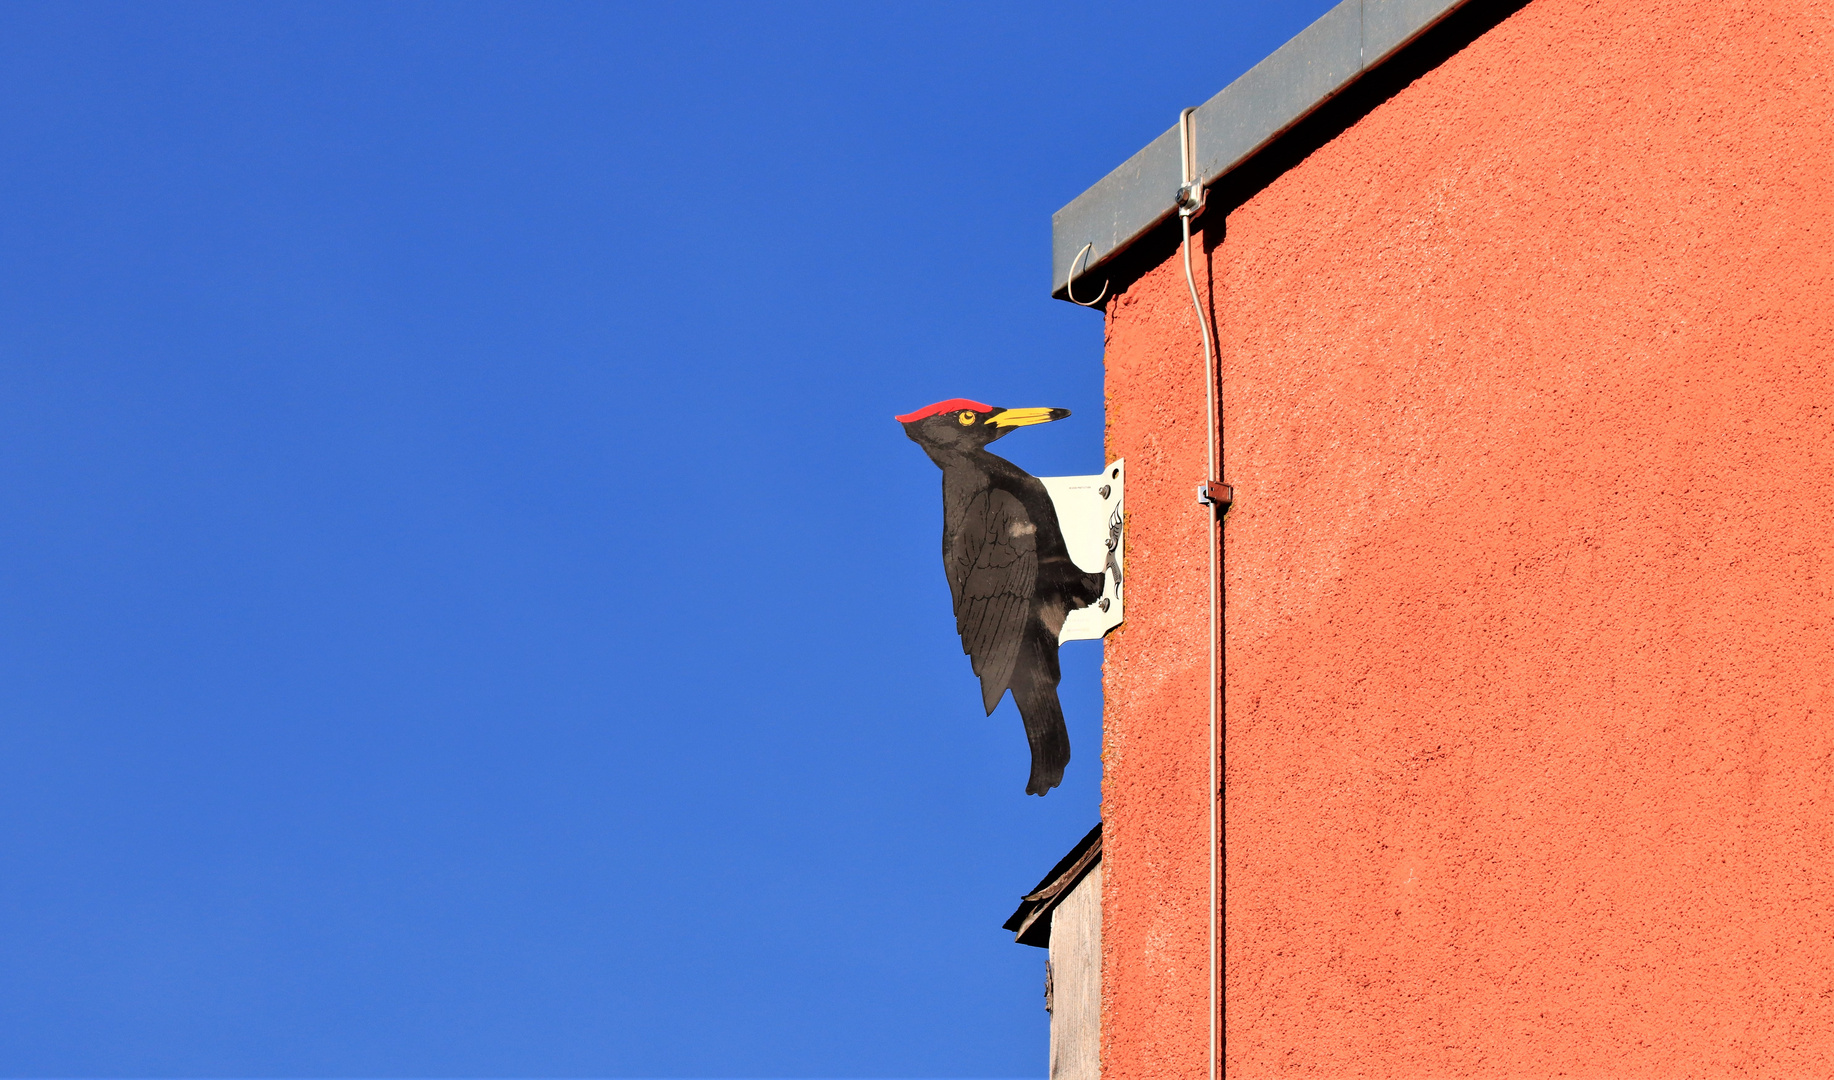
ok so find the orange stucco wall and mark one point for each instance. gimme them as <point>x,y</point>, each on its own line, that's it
<point>1156,705</point>
<point>1528,382</point>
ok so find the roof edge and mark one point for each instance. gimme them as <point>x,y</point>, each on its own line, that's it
<point>1031,923</point>
<point>1316,65</point>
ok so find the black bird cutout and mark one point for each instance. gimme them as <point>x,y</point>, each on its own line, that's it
<point>1010,574</point>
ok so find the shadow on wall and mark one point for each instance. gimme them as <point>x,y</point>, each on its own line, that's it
<point>1330,120</point>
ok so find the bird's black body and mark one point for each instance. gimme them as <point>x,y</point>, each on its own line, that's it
<point>1010,575</point>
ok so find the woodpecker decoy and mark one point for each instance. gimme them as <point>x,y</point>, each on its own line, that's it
<point>1010,575</point>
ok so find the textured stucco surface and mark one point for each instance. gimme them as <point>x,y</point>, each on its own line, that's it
<point>1156,706</point>
<point>1529,409</point>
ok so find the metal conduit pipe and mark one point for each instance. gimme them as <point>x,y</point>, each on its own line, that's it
<point>1190,204</point>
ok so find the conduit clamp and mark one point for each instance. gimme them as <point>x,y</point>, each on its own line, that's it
<point>1216,495</point>
<point>1190,199</point>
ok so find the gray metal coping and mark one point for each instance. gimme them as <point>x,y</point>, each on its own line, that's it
<point>1317,64</point>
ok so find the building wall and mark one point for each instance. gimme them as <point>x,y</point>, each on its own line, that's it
<point>1076,981</point>
<point>1155,713</point>
<point>1529,409</point>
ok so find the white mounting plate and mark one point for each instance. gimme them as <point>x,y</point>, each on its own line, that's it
<point>1091,513</point>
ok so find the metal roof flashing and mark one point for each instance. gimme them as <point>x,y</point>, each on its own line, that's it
<point>1319,63</point>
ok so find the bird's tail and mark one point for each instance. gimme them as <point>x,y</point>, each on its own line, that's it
<point>1035,693</point>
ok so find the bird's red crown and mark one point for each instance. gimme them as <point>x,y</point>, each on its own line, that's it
<point>950,405</point>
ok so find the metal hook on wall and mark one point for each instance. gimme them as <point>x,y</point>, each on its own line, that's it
<point>1069,283</point>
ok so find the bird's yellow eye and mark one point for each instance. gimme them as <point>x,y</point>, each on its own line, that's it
<point>965,418</point>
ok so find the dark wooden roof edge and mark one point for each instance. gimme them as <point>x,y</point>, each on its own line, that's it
<point>1031,924</point>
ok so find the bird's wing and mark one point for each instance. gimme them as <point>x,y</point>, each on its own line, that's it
<point>996,561</point>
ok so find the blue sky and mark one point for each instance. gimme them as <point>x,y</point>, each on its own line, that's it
<point>465,607</point>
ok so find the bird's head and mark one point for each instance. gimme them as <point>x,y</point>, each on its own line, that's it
<point>959,424</point>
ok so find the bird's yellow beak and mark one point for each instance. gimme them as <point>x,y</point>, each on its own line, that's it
<point>1011,418</point>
